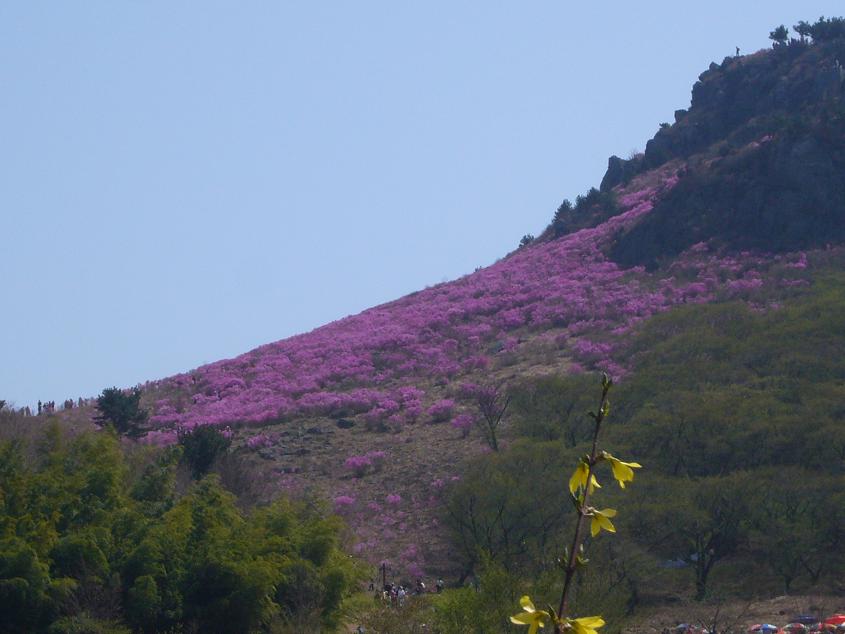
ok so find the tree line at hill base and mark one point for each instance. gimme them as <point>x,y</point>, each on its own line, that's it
<point>96,538</point>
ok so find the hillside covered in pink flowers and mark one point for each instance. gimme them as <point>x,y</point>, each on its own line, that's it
<point>565,298</point>
<point>722,203</point>
<point>737,201</point>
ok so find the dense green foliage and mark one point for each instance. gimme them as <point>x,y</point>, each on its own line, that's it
<point>738,417</point>
<point>122,410</point>
<point>201,447</point>
<point>554,408</point>
<point>95,540</point>
<point>589,210</point>
<point>779,35</point>
<point>823,29</point>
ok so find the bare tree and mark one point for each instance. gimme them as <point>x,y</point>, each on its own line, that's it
<point>492,401</point>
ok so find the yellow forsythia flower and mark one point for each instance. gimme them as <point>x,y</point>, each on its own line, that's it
<point>601,520</point>
<point>579,479</point>
<point>586,624</point>
<point>622,471</point>
<point>532,617</point>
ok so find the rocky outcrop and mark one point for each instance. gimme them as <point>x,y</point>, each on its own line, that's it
<point>620,171</point>
<point>782,193</point>
<point>739,98</point>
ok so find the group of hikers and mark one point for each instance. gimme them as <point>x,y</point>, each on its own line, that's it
<point>49,407</point>
<point>396,594</point>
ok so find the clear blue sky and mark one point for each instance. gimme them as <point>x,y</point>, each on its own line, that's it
<point>183,181</point>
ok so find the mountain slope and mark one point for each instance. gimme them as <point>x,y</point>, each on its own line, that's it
<point>564,297</point>
<point>735,201</point>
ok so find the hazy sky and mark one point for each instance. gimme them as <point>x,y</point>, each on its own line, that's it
<point>183,181</point>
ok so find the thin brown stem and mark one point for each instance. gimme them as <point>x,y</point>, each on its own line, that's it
<point>578,537</point>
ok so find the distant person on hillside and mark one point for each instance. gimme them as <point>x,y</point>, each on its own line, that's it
<point>439,585</point>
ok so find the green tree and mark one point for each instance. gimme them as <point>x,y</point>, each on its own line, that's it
<point>780,536</point>
<point>804,30</point>
<point>779,35</point>
<point>828,29</point>
<point>155,490</point>
<point>564,211</point>
<point>479,610</point>
<point>493,510</point>
<point>553,407</point>
<point>201,447</point>
<point>824,553</point>
<point>143,603</point>
<point>122,409</point>
<point>700,523</point>
<point>24,587</point>
<point>562,218</point>
<point>526,240</point>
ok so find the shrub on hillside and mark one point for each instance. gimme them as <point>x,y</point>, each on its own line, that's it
<point>343,503</point>
<point>260,441</point>
<point>553,407</point>
<point>201,446</point>
<point>122,410</point>
<point>440,411</point>
<point>463,423</point>
<point>361,465</point>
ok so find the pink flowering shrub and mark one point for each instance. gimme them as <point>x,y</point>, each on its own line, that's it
<point>409,394</point>
<point>463,423</point>
<point>412,560</point>
<point>361,465</point>
<point>469,390</point>
<point>743,285</point>
<point>441,410</point>
<point>376,419</point>
<point>343,503</point>
<point>413,412</point>
<point>396,422</point>
<point>259,441</point>
<point>587,350</point>
<point>377,459</point>
<point>393,499</point>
